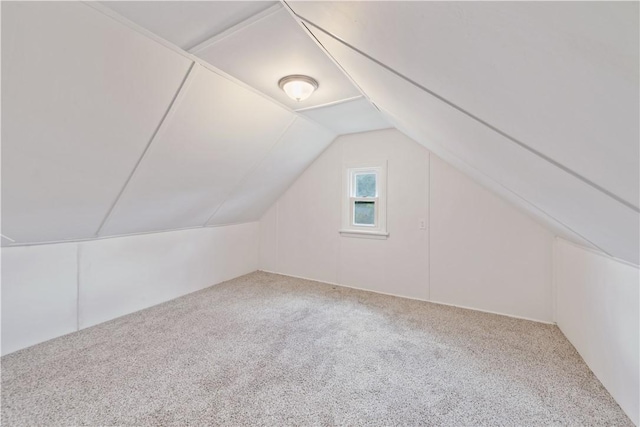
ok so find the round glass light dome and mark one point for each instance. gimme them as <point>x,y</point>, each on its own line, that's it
<point>298,87</point>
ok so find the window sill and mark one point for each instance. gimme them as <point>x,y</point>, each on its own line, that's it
<point>362,234</point>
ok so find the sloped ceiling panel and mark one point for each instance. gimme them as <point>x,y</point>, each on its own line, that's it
<point>215,134</point>
<point>597,217</point>
<point>523,205</point>
<point>187,23</point>
<point>81,98</point>
<point>298,147</point>
<point>562,77</point>
<point>263,52</point>
<point>353,116</point>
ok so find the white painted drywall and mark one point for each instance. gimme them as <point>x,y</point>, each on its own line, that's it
<point>357,115</point>
<point>108,130</point>
<point>302,230</point>
<point>261,53</point>
<point>567,79</point>
<point>299,145</point>
<point>543,97</point>
<point>484,253</point>
<point>187,24</point>
<point>52,290</point>
<point>81,97</point>
<point>203,150</point>
<point>598,311</point>
<point>448,132</point>
<point>39,294</point>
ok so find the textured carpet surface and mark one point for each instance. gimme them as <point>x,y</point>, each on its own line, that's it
<point>269,350</point>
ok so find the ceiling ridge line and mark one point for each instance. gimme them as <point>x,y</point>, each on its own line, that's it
<point>252,169</point>
<point>531,204</point>
<point>329,104</point>
<point>111,14</point>
<point>175,101</point>
<point>478,119</point>
<point>247,22</point>
<point>597,252</point>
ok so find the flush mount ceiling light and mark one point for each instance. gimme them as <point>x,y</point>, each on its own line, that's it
<point>298,87</point>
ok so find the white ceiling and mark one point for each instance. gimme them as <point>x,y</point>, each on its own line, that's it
<point>108,131</point>
<point>562,77</point>
<point>263,52</point>
<point>296,149</point>
<point>187,23</point>
<point>566,94</point>
<point>212,138</point>
<point>536,101</point>
<point>78,108</point>
<point>357,115</point>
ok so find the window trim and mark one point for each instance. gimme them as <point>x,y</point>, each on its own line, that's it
<point>379,229</point>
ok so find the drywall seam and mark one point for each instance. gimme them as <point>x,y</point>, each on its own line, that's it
<point>411,298</point>
<point>554,280</point>
<point>78,261</point>
<point>259,16</point>
<point>600,253</point>
<point>277,234</point>
<point>154,37</point>
<point>113,236</point>
<point>293,181</point>
<point>175,102</point>
<point>478,119</point>
<point>328,104</point>
<point>393,120</point>
<point>252,169</point>
<point>338,254</point>
<point>429,225</point>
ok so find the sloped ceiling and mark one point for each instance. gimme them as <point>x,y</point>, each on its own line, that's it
<point>109,130</point>
<point>81,98</point>
<point>261,53</point>
<point>111,127</point>
<point>188,23</point>
<point>538,98</point>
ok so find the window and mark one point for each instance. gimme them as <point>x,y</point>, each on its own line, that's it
<point>364,200</point>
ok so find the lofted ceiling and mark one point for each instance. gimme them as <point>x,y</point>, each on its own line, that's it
<point>263,52</point>
<point>130,117</point>
<point>539,100</point>
<point>111,127</point>
<point>188,23</point>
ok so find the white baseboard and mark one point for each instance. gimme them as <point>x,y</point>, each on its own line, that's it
<point>412,298</point>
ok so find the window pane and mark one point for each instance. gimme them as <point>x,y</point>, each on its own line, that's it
<point>364,213</point>
<point>366,185</point>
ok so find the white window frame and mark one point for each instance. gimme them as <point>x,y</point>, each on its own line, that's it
<point>379,229</point>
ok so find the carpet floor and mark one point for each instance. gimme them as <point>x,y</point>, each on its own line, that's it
<point>270,350</point>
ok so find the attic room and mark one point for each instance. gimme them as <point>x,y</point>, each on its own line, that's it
<point>320,213</point>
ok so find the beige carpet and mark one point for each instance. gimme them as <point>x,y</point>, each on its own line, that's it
<point>270,350</point>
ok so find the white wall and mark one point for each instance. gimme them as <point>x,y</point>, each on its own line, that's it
<point>598,311</point>
<point>39,294</point>
<point>52,290</point>
<point>300,233</point>
<point>485,255</point>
